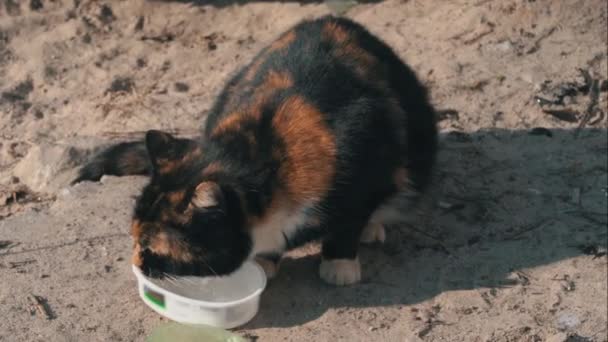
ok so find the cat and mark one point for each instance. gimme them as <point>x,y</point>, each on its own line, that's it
<point>326,135</point>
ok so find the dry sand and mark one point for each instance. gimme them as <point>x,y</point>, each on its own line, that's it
<point>514,249</point>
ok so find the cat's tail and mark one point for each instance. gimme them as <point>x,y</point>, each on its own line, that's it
<point>129,158</point>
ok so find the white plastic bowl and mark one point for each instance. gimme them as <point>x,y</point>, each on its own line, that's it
<point>224,302</point>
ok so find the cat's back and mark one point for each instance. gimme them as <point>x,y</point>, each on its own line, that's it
<point>334,98</point>
<point>332,62</point>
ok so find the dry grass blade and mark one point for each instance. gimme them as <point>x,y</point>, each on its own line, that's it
<point>41,306</point>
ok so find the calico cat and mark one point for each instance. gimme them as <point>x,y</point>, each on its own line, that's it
<point>326,135</point>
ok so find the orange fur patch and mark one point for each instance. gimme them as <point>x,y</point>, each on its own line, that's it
<point>276,80</point>
<point>167,165</point>
<point>273,82</point>
<point>161,244</point>
<point>231,123</point>
<point>283,42</point>
<point>358,54</point>
<point>335,32</point>
<point>212,168</point>
<point>254,67</point>
<point>136,229</point>
<point>309,165</point>
<point>278,45</point>
<point>136,258</point>
<point>176,197</point>
<point>348,49</point>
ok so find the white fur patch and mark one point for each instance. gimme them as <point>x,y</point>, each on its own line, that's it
<point>270,267</point>
<point>373,232</point>
<point>269,236</point>
<point>340,271</point>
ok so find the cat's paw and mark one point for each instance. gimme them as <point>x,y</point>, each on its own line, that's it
<point>373,232</point>
<point>340,271</point>
<point>270,267</point>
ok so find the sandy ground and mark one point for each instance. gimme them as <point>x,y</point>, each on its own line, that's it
<point>513,250</point>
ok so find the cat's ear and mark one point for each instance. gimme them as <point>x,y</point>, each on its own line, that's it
<point>206,195</point>
<point>168,153</point>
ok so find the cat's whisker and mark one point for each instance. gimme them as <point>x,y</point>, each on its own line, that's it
<point>209,267</point>
<point>170,278</point>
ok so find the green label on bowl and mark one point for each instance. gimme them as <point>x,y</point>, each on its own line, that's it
<point>154,297</point>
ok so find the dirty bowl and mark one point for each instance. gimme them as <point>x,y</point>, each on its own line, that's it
<point>223,302</point>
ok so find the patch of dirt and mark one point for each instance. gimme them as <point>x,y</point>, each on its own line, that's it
<point>514,248</point>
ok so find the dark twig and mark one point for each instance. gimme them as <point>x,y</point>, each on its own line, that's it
<point>479,35</point>
<point>594,94</point>
<point>5,244</point>
<point>528,228</point>
<point>16,264</point>
<point>536,45</point>
<point>161,38</point>
<point>563,114</point>
<point>587,81</point>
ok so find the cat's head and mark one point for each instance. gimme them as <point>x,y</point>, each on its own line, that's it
<point>186,220</point>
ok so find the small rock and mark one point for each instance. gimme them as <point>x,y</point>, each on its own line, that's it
<point>36,5</point>
<point>181,87</point>
<point>139,25</point>
<point>567,321</point>
<point>65,192</point>
<point>106,15</point>
<point>38,114</point>
<point>87,38</point>
<point>140,62</point>
<point>505,46</point>
<point>20,92</point>
<point>121,84</point>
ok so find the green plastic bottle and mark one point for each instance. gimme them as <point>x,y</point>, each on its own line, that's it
<point>176,332</point>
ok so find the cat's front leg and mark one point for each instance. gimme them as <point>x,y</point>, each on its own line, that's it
<point>340,264</point>
<point>270,264</point>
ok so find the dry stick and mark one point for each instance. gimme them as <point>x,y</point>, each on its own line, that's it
<point>536,45</point>
<point>587,79</point>
<point>39,303</point>
<point>594,94</point>
<point>479,36</point>
<point>15,264</point>
<point>447,251</point>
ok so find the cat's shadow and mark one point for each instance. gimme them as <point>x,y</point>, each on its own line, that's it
<point>504,204</point>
